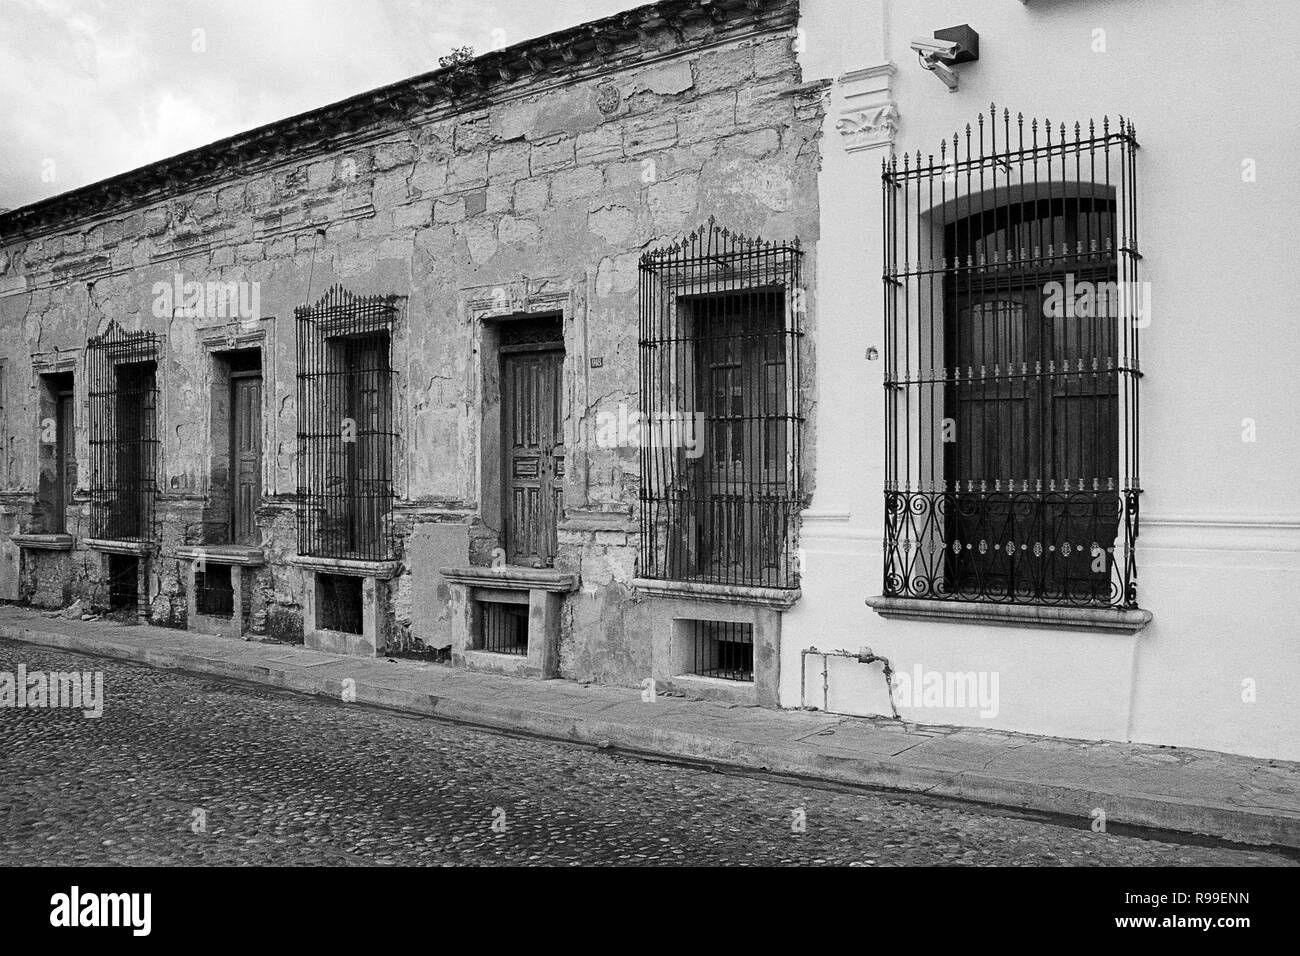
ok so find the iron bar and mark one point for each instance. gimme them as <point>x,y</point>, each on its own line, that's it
<point>503,628</point>
<point>723,649</point>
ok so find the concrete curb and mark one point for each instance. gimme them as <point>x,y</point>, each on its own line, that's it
<point>1158,811</point>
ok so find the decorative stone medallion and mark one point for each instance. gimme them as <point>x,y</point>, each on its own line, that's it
<point>607,98</point>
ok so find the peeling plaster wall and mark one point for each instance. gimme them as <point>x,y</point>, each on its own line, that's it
<point>543,195</point>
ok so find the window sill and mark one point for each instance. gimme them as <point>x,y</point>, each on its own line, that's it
<point>780,598</point>
<point>346,566</point>
<point>512,578</point>
<point>242,555</point>
<point>1107,620</point>
<point>114,546</point>
<point>43,542</point>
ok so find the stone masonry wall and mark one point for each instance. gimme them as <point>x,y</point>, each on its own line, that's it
<point>559,185</point>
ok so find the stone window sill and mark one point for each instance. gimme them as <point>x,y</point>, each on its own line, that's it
<point>1111,620</point>
<point>43,542</point>
<point>780,598</point>
<point>112,546</point>
<point>348,566</point>
<point>241,555</point>
<point>507,577</point>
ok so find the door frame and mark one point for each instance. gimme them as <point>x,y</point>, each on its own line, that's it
<point>492,314</point>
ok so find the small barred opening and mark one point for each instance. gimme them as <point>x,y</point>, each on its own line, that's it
<point>503,628</point>
<point>723,649</point>
<point>338,603</point>
<point>214,592</point>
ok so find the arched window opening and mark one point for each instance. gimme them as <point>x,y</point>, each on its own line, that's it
<point>1011,369</point>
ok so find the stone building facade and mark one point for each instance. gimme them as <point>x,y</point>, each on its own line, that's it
<point>440,266</point>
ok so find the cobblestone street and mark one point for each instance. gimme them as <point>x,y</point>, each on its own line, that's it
<point>281,779</point>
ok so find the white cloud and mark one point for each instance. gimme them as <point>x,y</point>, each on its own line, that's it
<point>103,86</point>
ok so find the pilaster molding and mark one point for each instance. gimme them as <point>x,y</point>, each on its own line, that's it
<point>868,115</point>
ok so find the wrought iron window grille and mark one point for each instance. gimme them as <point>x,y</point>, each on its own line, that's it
<point>346,427</point>
<point>721,321</point>
<point>1012,309</point>
<point>122,384</point>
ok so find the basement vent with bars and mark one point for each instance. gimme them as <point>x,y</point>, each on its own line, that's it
<point>124,583</point>
<point>214,592</point>
<point>338,603</point>
<point>722,649</point>
<point>503,627</point>
<point>1012,309</point>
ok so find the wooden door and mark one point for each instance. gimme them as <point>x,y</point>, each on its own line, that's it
<point>533,445</point>
<point>245,455</point>
<point>65,450</point>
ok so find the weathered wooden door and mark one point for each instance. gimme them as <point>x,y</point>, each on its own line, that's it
<point>65,449</point>
<point>533,444</point>
<point>245,455</point>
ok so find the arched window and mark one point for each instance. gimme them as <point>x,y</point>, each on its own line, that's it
<point>1011,370</point>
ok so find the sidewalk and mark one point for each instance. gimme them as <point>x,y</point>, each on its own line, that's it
<point>1194,791</point>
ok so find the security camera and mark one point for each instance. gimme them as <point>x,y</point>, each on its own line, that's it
<point>947,47</point>
<point>930,48</point>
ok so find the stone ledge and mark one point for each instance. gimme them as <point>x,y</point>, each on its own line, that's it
<point>780,598</point>
<point>349,566</point>
<point>112,546</point>
<point>43,542</point>
<point>694,686</point>
<point>514,665</point>
<point>239,554</point>
<point>512,578</point>
<point>1112,620</point>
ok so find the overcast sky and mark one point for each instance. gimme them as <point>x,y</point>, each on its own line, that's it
<point>91,88</point>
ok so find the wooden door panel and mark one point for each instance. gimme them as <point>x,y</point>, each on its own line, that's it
<point>533,447</point>
<point>246,451</point>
